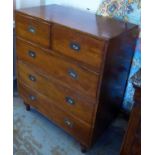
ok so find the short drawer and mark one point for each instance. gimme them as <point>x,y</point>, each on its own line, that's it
<point>63,97</point>
<point>78,46</point>
<point>78,129</point>
<point>69,74</point>
<point>33,30</point>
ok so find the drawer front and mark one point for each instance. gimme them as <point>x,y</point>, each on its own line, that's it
<point>75,127</point>
<point>79,46</point>
<point>61,96</point>
<point>33,30</point>
<point>69,74</point>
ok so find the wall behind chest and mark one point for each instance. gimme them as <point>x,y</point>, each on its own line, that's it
<point>28,3</point>
<point>92,5</point>
<point>82,4</point>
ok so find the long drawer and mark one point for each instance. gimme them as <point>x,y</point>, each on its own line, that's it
<point>78,46</point>
<point>33,30</point>
<point>71,75</point>
<point>64,98</point>
<point>78,129</point>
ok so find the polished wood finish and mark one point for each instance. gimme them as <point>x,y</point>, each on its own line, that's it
<point>59,68</point>
<point>82,21</point>
<point>132,140</point>
<point>90,48</point>
<point>78,58</point>
<point>77,128</point>
<point>59,95</point>
<point>32,30</point>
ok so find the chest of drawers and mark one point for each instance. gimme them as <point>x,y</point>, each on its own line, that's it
<point>72,66</point>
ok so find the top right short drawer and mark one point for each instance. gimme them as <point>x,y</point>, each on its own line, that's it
<point>77,45</point>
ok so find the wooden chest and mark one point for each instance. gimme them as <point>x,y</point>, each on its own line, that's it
<point>73,66</point>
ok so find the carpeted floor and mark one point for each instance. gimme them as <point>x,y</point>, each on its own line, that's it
<point>36,135</point>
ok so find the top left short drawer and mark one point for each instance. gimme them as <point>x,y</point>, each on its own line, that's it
<point>33,30</point>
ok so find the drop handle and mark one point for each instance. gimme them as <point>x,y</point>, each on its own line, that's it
<point>32,98</point>
<point>69,100</point>
<point>68,123</point>
<point>75,46</point>
<point>31,29</point>
<point>32,54</point>
<point>32,78</point>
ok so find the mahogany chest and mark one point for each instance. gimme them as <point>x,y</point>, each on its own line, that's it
<point>72,66</point>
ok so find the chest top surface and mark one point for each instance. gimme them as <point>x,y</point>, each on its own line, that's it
<point>100,27</point>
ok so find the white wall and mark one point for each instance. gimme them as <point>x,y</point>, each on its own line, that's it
<point>82,4</point>
<point>28,3</point>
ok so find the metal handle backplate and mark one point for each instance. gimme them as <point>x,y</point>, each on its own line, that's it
<point>68,123</point>
<point>32,78</point>
<point>75,46</point>
<point>69,100</point>
<point>31,29</point>
<point>72,74</point>
<point>32,98</point>
<point>32,54</point>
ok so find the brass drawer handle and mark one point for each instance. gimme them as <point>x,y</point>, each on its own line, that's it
<point>32,54</point>
<point>32,78</point>
<point>75,46</point>
<point>32,98</point>
<point>69,100</point>
<point>72,74</point>
<point>31,29</point>
<point>68,123</point>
